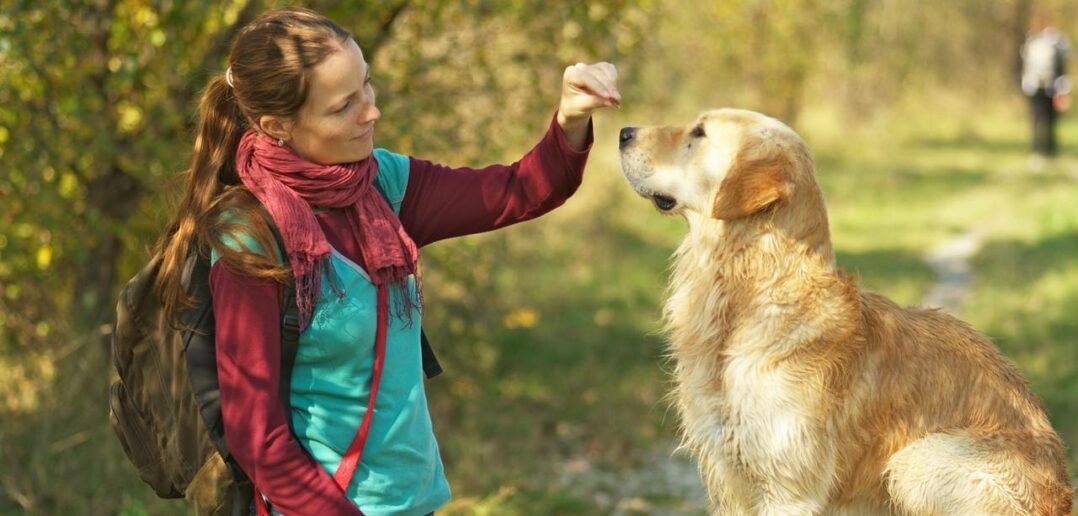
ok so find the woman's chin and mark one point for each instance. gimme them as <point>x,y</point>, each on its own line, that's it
<point>360,149</point>
<point>364,143</point>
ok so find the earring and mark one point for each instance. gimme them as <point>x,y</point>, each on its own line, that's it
<point>280,142</point>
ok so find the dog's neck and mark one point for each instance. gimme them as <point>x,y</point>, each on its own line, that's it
<point>729,276</point>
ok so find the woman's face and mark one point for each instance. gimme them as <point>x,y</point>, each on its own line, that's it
<point>336,123</point>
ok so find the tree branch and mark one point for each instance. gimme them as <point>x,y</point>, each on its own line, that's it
<point>217,50</point>
<point>385,28</point>
<point>44,110</point>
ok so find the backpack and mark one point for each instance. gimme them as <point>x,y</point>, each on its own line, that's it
<point>165,407</point>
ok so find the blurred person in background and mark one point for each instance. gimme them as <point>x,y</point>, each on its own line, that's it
<point>1044,81</point>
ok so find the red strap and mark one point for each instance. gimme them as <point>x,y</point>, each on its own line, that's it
<point>347,467</point>
<point>350,460</point>
<point>260,504</point>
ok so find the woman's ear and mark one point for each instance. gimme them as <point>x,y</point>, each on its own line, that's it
<point>276,127</point>
<point>752,186</point>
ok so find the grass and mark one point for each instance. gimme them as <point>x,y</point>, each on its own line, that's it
<point>549,330</point>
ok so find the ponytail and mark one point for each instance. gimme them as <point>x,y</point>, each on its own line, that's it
<point>271,60</point>
<point>213,188</point>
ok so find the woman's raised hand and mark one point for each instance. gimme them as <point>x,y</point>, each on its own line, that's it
<point>584,89</point>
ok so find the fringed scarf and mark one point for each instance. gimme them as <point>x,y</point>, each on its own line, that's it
<point>288,185</point>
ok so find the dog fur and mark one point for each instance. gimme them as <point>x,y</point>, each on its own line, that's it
<point>799,392</point>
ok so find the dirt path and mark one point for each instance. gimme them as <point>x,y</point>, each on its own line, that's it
<point>664,483</point>
<point>954,274</point>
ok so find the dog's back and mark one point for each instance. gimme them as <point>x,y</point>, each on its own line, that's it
<point>951,425</point>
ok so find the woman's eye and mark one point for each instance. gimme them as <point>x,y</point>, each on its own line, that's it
<point>345,106</point>
<point>698,131</point>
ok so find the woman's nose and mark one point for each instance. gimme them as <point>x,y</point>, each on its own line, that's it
<point>371,114</point>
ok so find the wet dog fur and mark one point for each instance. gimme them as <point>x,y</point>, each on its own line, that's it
<point>801,393</point>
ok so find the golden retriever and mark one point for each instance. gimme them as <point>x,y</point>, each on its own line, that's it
<point>800,393</point>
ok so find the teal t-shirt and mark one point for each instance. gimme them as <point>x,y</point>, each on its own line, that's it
<point>401,469</point>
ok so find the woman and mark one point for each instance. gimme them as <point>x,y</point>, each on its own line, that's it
<point>289,127</point>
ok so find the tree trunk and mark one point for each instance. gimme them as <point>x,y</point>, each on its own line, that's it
<point>112,197</point>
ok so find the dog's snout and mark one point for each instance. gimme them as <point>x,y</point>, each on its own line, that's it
<point>626,136</point>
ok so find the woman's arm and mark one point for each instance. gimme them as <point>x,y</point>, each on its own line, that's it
<point>442,202</point>
<point>248,339</point>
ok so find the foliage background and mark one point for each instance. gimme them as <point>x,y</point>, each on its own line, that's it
<point>554,396</point>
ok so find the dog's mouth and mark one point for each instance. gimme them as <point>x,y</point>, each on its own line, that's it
<point>661,201</point>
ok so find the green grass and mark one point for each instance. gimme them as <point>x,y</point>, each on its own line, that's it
<point>549,330</point>
<point>1026,294</point>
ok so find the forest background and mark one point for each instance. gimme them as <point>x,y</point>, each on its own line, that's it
<point>554,396</point>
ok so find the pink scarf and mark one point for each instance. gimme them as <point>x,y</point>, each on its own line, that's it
<point>288,185</point>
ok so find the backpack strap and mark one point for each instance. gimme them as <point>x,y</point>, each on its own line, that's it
<point>289,349</point>
<point>289,328</point>
<point>431,367</point>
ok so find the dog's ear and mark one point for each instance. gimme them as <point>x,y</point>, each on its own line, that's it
<point>752,186</point>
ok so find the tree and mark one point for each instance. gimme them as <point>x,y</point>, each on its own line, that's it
<point>96,119</point>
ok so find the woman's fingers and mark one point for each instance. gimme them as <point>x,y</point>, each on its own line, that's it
<point>596,84</point>
<point>587,87</point>
<point>609,74</point>
<point>598,81</point>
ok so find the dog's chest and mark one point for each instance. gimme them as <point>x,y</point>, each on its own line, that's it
<point>762,421</point>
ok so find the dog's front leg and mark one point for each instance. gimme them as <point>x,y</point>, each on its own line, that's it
<point>799,473</point>
<point>788,496</point>
<point>731,492</point>
<point>792,508</point>
<point>793,484</point>
<point>786,500</point>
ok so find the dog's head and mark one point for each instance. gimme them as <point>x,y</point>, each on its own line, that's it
<point>729,164</point>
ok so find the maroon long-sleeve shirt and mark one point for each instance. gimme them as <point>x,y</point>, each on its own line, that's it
<point>440,202</point>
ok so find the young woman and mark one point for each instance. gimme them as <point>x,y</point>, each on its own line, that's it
<point>288,130</point>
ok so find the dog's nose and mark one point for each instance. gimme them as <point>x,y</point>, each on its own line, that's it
<point>626,136</point>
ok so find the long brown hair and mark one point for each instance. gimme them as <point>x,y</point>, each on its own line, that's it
<point>271,62</point>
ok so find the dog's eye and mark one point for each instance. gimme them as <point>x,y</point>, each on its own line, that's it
<point>698,131</point>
